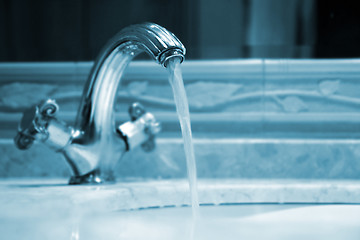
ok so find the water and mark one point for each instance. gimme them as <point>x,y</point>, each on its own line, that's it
<point>182,108</point>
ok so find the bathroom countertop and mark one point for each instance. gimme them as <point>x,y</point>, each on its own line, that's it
<point>26,197</point>
<point>50,209</point>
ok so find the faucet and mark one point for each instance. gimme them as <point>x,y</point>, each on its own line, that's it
<point>94,145</point>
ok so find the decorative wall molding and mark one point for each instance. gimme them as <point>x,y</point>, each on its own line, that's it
<point>256,97</point>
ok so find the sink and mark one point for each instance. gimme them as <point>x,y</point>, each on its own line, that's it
<point>255,221</point>
<point>244,221</point>
<point>159,209</point>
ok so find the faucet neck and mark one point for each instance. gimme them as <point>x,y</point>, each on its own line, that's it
<point>95,116</point>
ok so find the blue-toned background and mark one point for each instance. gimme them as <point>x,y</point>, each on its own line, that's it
<point>274,96</point>
<point>256,112</point>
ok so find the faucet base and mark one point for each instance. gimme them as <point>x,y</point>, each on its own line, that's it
<point>89,178</point>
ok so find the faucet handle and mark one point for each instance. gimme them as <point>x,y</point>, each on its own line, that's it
<point>49,108</point>
<point>136,110</point>
<point>34,122</point>
<point>141,130</point>
<point>153,127</point>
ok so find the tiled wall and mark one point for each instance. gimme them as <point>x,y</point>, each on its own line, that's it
<point>306,111</point>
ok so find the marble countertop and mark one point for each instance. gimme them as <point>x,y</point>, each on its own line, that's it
<point>21,197</point>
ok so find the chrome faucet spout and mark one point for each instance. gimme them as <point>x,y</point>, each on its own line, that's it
<point>112,61</point>
<point>95,144</point>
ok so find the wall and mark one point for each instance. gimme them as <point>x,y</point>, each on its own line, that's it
<point>75,30</point>
<point>251,118</point>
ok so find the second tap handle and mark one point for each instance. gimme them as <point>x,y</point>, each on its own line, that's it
<point>141,130</point>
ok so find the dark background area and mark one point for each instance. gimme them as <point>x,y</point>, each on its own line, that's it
<point>338,29</point>
<point>75,30</point>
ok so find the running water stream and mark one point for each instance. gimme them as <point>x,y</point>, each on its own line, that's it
<point>182,108</point>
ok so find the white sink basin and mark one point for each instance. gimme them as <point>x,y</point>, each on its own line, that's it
<point>230,222</point>
<point>254,221</point>
<point>154,210</point>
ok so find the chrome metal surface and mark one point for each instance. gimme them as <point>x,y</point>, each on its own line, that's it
<point>94,144</point>
<point>141,130</point>
<point>39,123</point>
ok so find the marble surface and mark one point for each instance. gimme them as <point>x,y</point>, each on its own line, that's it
<point>18,196</point>
<point>216,158</point>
